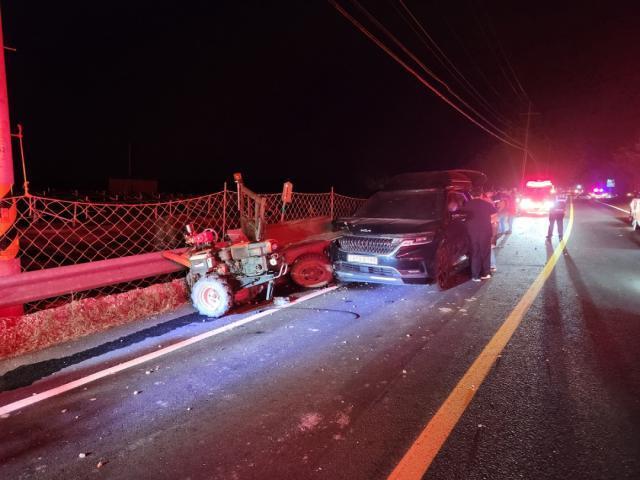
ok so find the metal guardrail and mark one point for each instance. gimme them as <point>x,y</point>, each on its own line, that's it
<point>39,285</point>
<point>52,282</point>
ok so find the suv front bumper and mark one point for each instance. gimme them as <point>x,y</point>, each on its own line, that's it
<point>389,270</point>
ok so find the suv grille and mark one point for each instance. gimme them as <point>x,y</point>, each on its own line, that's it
<point>382,271</point>
<point>370,245</point>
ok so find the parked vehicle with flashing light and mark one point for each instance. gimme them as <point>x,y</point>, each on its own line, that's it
<point>537,198</point>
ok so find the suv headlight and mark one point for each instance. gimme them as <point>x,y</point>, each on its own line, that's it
<point>421,239</point>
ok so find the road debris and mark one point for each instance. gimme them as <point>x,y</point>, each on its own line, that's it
<point>281,301</point>
<point>309,421</point>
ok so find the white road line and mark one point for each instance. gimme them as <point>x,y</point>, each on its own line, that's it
<point>25,402</point>
<point>613,206</point>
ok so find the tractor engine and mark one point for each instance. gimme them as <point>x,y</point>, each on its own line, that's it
<point>250,259</point>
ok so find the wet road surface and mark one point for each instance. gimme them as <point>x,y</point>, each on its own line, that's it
<point>341,385</point>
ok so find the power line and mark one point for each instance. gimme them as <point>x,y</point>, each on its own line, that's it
<point>446,62</point>
<point>504,55</point>
<point>408,68</point>
<point>472,60</point>
<point>417,61</point>
<point>492,49</point>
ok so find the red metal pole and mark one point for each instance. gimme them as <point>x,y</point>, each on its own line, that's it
<point>6,158</point>
<point>9,263</point>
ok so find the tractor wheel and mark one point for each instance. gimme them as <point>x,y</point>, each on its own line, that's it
<point>311,270</point>
<point>444,266</point>
<point>212,296</point>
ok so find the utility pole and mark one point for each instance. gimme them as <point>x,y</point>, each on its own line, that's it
<point>6,157</point>
<point>9,245</point>
<point>525,153</point>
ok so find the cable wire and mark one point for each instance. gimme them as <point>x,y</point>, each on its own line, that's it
<point>427,70</point>
<point>504,55</point>
<point>494,50</point>
<point>408,68</point>
<point>424,36</point>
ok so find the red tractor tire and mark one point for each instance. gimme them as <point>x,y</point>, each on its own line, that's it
<point>311,270</point>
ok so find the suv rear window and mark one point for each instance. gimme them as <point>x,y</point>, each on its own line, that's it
<point>408,204</point>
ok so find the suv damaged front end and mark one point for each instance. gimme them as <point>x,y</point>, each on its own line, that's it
<point>383,258</point>
<point>391,238</point>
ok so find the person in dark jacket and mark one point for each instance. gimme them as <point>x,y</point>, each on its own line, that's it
<point>479,213</point>
<point>556,216</point>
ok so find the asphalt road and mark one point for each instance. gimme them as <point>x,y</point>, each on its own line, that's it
<point>340,386</point>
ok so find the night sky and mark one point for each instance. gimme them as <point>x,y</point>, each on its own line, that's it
<point>290,90</point>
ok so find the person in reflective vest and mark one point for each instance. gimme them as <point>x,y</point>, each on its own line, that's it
<point>556,216</point>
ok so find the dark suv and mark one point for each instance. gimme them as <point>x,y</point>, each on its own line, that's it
<point>410,232</point>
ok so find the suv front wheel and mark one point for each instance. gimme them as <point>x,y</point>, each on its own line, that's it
<point>444,265</point>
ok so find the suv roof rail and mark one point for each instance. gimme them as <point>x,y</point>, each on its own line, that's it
<point>440,178</point>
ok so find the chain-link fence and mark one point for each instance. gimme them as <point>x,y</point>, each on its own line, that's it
<point>54,233</point>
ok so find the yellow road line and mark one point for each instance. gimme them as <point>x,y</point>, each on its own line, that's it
<point>418,458</point>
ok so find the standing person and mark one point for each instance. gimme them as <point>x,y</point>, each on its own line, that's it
<point>502,204</point>
<point>493,199</point>
<point>556,215</point>
<point>511,210</point>
<point>479,229</point>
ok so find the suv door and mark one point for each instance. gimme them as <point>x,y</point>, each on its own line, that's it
<point>454,245</point>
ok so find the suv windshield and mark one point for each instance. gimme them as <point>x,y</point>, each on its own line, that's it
<point>409,204</point>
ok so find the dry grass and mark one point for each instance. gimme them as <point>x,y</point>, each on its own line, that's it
<point>76,319</point>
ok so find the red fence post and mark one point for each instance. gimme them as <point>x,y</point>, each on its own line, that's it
<point>224,211</point>
<point>331,201</point>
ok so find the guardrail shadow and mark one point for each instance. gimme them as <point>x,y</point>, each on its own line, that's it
<point>25,375</point>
